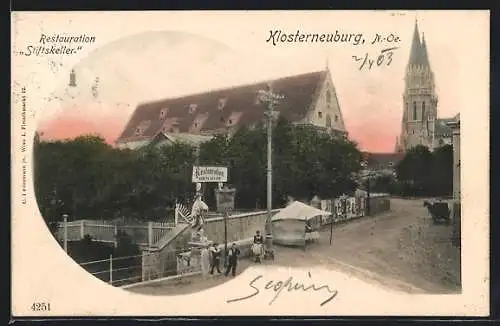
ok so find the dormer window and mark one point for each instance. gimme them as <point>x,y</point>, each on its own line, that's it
<point>163,114</point>
<point>234,118</point>
<point>142,127</point>
<point>222,103</point>
<point>192,108</point>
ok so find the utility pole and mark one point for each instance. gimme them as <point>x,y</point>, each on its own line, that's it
<point>270,99</point>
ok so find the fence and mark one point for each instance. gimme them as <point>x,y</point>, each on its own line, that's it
<point>353,207</point>
<point>106,231</point>
<point>116,271</point>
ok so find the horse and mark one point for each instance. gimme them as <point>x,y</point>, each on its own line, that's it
<point>439,211</point>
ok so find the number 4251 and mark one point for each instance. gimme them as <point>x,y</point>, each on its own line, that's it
<point>40,306</point>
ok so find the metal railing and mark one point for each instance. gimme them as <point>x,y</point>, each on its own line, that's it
<point>107,231</point>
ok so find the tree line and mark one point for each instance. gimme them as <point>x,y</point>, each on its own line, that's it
<point>420,173</point>
<point>87,178</point>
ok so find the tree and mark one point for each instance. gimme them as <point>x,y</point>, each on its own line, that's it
<point>422,173</point>
<point>413,170</point>
<point>87,178</point>
<point>442,171</point>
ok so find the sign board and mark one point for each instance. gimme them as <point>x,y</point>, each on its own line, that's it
<point>209,174</point>
<point>225,200</point>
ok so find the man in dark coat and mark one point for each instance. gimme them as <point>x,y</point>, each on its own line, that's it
<point>214,259</point>
<point>232,257</point>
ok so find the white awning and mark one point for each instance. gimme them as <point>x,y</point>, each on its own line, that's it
<point>299,211</point>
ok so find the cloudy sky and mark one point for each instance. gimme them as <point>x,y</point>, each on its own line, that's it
<point>144,56</point>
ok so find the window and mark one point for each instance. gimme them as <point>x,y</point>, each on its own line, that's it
<point>196,124</point>
<point>336,118</point>
<point>414,110</point>
<point>222,119</point>
<point>328,96</point>
<point>391,164</point>
<point>320,114</point>
<point>142,127</point>
<point>423,110</point>
<point>192,108</point>
<point>230,121</point>
<point>222,103</point>
<point>328,121</point>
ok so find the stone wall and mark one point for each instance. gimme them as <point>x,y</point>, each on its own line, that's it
<point>241,226</point>
<point>172,253</point>
<point>161,261</point>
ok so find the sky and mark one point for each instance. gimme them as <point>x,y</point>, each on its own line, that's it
<point>143,64</point>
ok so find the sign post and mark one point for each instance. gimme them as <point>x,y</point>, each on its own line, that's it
<point>225,204</point>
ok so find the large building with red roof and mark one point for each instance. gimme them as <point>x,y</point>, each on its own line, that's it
<point>308,99</point>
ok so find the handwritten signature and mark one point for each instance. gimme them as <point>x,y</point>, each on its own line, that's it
<point>385,55</point>
<point>290,285</point>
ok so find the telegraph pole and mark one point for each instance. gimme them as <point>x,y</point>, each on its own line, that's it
<point>270,99</point>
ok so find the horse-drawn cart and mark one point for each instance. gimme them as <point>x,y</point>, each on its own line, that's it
<point>439,211</point>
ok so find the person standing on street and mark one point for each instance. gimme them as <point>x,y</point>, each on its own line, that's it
<point>258,248</point>
<point>233,254</point>
<point>215,259</point>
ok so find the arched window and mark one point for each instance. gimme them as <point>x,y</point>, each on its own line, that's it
<point>414,110</point>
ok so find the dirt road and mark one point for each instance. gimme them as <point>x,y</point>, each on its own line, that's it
<point>400,249</point>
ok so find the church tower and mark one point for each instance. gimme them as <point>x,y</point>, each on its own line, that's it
<point>419,98</point>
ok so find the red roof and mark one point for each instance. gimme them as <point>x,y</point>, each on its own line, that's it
<point>223,108</point>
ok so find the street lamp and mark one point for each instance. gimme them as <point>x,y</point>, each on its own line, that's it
<point>270,99</point>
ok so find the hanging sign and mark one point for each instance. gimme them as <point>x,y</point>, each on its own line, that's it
<point>209,174</point>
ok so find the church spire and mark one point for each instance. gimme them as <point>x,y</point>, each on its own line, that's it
<point>425,57</point>
<point>415,52</point>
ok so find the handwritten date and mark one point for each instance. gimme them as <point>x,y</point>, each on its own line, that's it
<point>384,57</point>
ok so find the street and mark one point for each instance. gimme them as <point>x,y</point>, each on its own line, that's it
<point>400,249</point>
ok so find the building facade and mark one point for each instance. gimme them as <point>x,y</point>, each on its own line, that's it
<point>308,99</point>
<point>420,123</point>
